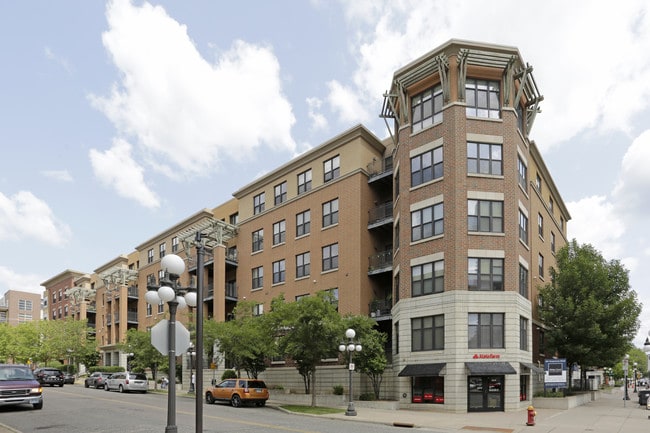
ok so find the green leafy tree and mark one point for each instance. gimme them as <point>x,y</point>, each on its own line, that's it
<point>144,354</point>
<point>589,311</point>
<point>308,330</point>
<point>371,361</point>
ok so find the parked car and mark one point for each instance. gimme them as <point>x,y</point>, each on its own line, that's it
<point>18,385</point>
<point>69,378</point>
<point>49,376</point>
<point>127,382</point>
<point>96,380</point>
<point>643,396</point>
<point>238,392</point>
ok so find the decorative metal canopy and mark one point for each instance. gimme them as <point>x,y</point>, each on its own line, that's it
<point>118,276</point>
<point>211,232</point>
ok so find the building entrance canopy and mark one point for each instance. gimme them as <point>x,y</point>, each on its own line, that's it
<point>421,370</point>
<point>483,368</point>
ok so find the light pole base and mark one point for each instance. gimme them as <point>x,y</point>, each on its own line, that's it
<point>351,411</point>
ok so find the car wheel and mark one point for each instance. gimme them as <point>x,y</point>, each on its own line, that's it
<point>209,398</point>
<point>38,406</point>
<point>60,385</point>
<point>121,389</point>
<point>86,385</point>
<point>235,401</point>
<point>107,388</point>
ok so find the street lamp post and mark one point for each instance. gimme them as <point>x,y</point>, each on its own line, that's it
<point>626,363</point>
<point>191,354</point>
<point>635,364</point>
<point>646,349</point>
<point>169,291</point>
<point>350,347</point>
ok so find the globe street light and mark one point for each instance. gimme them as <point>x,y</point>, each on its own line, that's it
<point>626,362</point>
<point>350,347</point>
<point>168,290</point>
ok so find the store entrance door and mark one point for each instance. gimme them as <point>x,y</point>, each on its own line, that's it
<point>485,393</point>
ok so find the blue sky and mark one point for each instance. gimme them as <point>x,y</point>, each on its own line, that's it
<point>119,119</point>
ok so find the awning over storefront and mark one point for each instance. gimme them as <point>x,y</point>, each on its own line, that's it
<point>483,368</point>
<point>532,367</point>
<point>419,370</point>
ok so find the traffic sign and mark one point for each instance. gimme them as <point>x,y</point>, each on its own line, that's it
<point>159,337</point>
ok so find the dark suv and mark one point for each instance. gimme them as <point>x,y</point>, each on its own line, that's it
<point>18,386</point>
<point>49,376</point>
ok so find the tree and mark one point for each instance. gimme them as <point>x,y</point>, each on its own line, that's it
<point>589,311</point>
<point>308,330</point>
<point>144,354</point>
<point>371,361</point>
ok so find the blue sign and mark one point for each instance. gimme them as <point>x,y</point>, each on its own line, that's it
<point>555,373</point>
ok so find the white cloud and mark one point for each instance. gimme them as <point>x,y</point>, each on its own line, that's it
<point>24,214</point>
<point>633,186</point>
<point>117,169</point>
<point>345,101</point>
<point>22,282</point>
<point>589,217</point>
<point>184,113</point>
<point>62,175</point>
<point>318,120</point>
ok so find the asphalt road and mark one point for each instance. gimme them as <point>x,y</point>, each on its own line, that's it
<point>75,409</point>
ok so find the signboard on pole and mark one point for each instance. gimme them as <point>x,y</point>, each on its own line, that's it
<point>555,373</point>
<point>159,337</point>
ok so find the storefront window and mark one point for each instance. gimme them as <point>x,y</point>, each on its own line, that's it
<point>429,389</point>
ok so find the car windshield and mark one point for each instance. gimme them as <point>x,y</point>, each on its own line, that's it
<point>15,373</point>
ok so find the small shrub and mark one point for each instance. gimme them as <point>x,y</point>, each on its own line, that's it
<point>367,396</point>
<point>229,374</point>
<point>277,387</point>
<point>338,389</point>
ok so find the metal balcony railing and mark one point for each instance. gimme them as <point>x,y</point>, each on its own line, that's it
<point>377,168</point>
<point>231,290</point>
<point>381,212</point>
<point>380,307</point>
<point>380,261</point>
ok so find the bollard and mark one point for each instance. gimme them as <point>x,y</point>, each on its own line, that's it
<point>531,415</point>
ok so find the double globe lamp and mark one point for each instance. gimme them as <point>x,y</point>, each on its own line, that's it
<point>350,347</point>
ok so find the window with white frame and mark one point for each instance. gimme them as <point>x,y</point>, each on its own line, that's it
<point>150,255</point>
<point>161,250</point>
<point>484,158</point>
<point>25,305</point>
<point>486,331</point>
<point>175,244</point>
<point>332,169</point>
<point>426,108</point>
<point>258,309</point>
<point>304,182</point>
<point>426,166</point>
<point>485,216</point>
<point>280,193</point>
<point>482,98</point>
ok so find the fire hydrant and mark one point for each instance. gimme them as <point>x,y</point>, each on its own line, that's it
<point>531,415</point>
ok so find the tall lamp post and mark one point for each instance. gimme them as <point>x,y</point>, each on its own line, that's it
<point>646,349</point>
<point>350,347</point>
<point>626,363</point>
<point>169,291</point>
<point>635,364</point>
<point>191,354</point>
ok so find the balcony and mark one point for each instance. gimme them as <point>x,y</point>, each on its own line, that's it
<point>231,291</point>
<point>380,309</point>
<point>380,215</point>
<point>381,262</point>
<point>132,292</point>
<point>380,170</point>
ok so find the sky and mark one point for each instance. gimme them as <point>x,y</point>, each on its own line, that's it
<point>119,119</point>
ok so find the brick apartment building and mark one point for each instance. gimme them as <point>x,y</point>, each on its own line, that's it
<point>442,233</point>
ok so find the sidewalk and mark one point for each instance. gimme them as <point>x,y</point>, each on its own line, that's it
<point>605,415</point>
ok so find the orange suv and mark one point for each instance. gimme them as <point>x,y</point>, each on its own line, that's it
<point>238,392</point>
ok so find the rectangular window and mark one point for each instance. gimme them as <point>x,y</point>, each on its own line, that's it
<point>25,305</point>
<point>482,98</point>
<point>330,257</point>
<point>523,333</point>
<point>485,216</point>
<point>426,108</point>
<point>304,182</point>
<point>258,309</point>
<point>428,333</point>
<point>175,244</point>
<point>426,167</point>
<point>149,309</point>
<point>485,274</point>
<point>396,185</point>
<point>258,203</point>
<point>279,232</point>
<point>540,262</point>
<point>428,278</point>
<point>150,255</point>
<point>258,278</point>
<point>332,169</point>
<point>303,222</point>
<point>523,227</point>
<point>331,212</point>
<point>550,205</point>
<point>234,218</point>
<point>396,337</point>
<point>396,234</point>
<point>552,242</point>
<point>279,271</point>
<point>523,174</point>
<point>334,297</point>
<point>258,240</point>
<point>483,158</point>
<point>280,193</point>
<point>486,331</point>
<point>302,265</point>
<point>540,225</point>
<point>523,281</point>
<point>161,307</point>
<point>396,287</point>
<point>161,250</point>
<point>538,183</point>
<point>427,222</point>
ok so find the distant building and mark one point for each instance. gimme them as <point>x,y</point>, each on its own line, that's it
<point>18,307</point>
